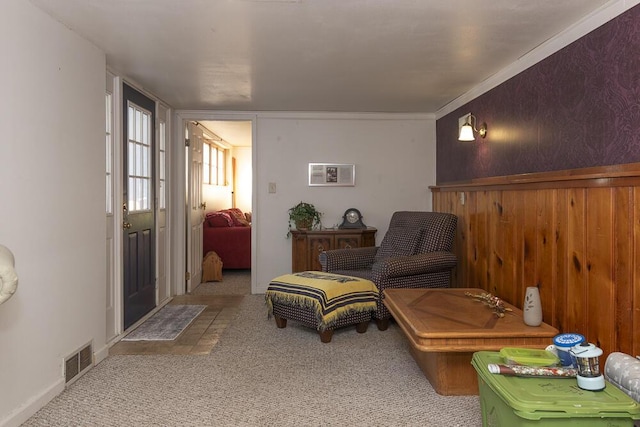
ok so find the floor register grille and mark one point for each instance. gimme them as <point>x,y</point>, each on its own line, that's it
<point>78,363</point>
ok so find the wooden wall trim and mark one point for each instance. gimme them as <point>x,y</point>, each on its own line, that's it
<point>600,176</point>
<point>573,234</point>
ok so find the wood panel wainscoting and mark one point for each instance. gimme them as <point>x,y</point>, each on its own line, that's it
<point>575,234</point>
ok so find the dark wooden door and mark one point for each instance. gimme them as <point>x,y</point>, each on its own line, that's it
<point>139,205</point>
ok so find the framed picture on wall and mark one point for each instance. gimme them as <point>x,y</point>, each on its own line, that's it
<point>332,174</point>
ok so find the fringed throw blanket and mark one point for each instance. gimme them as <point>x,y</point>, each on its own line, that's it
<point>331,296</point>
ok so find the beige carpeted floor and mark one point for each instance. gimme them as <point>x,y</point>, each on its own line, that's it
<point>234,282</point>
<point>259,375</point>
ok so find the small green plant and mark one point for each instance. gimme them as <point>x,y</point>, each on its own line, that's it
<point>304,216</point>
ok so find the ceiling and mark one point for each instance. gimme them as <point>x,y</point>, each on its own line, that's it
<point>314,55</point>
<point>234,132</point>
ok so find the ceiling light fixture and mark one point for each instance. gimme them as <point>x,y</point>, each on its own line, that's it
<point>469,127</point>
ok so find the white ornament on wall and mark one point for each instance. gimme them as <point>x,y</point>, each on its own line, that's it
<point>8,275</point>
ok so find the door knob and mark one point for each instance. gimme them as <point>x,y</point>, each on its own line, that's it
<point>126,225</point>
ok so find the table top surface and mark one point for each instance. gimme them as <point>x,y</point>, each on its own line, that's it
<point>448,313</point>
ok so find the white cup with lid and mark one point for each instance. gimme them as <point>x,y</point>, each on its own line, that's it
<point>562,344</point>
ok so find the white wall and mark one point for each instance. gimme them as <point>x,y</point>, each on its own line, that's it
<point>394,156</point>
<point>52,203</point>
<point>217,197</point>
<point>244,177</point>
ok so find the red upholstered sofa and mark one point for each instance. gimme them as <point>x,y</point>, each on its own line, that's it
<point>228,233</point>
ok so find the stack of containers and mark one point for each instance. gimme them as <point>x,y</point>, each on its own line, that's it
<point>547,402</point>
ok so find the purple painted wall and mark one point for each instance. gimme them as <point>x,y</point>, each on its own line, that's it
<point>578,108</point>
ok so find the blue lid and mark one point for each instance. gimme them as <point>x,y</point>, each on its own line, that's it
<point>567,340</point>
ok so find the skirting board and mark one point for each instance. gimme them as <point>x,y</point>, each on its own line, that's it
<point>24,412</point>
<point>100,355</point>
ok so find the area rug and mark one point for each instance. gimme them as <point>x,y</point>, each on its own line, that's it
<point>166,324</point>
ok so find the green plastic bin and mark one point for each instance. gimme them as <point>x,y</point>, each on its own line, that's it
<point>509,401</point>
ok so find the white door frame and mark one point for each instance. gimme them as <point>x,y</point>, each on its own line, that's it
<point>114,220</point>
<point>179,196</point>
<point>163,217</point>
<point>194,206</point>
<point>114,327</point>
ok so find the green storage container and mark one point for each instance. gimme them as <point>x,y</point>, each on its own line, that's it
<point>509,401</point>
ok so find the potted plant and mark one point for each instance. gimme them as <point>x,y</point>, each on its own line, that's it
<point>304,216</point>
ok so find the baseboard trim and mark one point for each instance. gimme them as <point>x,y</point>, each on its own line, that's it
<point>100,355</point>
<point>24,412</point>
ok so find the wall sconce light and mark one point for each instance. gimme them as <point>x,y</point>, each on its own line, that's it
<point>469,126</point>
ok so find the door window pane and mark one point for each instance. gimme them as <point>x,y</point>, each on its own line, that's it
<point>139,155</point>
<point>109,152</point>
<point>162,198</point>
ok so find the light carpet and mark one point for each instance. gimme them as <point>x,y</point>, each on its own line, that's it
<point>259,375</point>
<point>234,282</point>
<point>166,324</point>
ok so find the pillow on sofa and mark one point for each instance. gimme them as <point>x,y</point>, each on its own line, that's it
<point>399,241</point>
<point>237,217</point>
<point>219,219</point>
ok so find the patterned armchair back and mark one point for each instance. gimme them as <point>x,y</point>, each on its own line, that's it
<point>439,229</point>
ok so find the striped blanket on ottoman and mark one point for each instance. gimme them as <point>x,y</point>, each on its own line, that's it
<point>330,296</point>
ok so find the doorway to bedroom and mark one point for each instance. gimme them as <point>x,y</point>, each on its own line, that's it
<point>227,194</point>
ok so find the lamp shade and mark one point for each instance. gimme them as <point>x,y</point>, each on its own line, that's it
<point>466,133</point>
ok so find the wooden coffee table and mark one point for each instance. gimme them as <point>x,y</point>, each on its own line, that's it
<point>445,327</point>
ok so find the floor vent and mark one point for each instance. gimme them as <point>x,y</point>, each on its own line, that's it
<point>78,363</point>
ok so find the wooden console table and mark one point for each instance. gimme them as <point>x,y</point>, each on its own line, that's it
<point>306,245</point>
<point>445,327</point>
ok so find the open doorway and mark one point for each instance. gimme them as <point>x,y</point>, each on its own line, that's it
<point>232,188</point>
<point>226,193</point>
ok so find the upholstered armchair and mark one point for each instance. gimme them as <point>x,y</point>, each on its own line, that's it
<point>416,252</point>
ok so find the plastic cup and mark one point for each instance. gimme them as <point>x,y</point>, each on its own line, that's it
<point>562,344</point>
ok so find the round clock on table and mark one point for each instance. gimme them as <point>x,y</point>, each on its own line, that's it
<point>352,218</point>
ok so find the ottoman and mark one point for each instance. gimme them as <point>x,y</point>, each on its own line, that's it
<point>323,301</point>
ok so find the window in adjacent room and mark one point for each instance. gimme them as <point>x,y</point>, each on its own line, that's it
<point>213,163</point>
